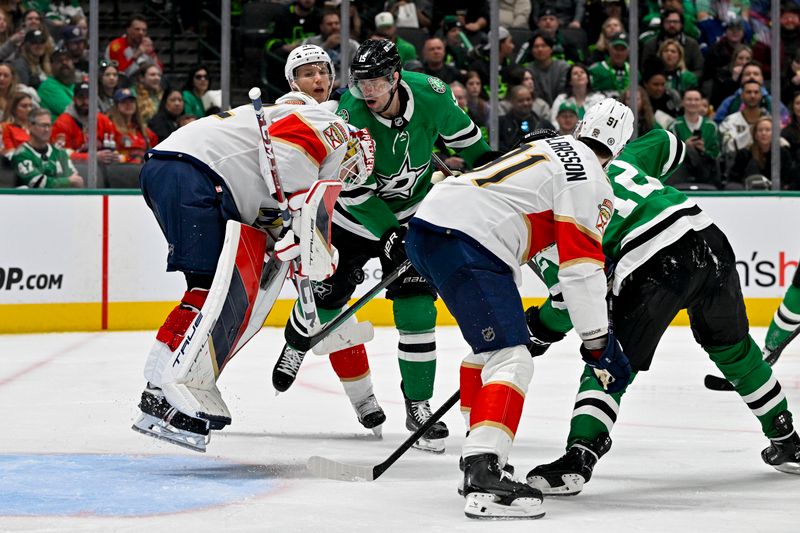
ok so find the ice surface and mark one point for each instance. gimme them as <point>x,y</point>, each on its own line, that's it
<point>684,458</point>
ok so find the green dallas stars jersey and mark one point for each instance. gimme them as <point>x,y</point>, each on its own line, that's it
<point>403,148</point>
<point>648,215</point>
<point>39,171</point>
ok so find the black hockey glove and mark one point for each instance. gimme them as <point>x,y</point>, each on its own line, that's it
<point>611,366</point>
<point>393,248</point>
<point>541,337</point>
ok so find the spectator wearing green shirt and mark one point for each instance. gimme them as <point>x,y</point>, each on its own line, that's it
<point>385,28</point>
<point>612,75</point>
<point>39,164</point>
<point>701,137</point>
<point>196,86</point>
<point>56,92</point>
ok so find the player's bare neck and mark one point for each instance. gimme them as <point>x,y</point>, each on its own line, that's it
<point>394,108</point>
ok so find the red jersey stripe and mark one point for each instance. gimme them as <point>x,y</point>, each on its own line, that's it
<point>295,131</point>
<point>575,243</point>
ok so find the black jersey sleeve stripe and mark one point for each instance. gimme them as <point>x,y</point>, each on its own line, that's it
<point>658,228</point>
<point>465,137</point>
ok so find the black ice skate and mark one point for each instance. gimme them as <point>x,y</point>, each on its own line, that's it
<point>160,420</point>
<point>567,475</point>
<point>783,453</point>
<point>285,371</point>
<point>370,414</point>
<point>493,494</point>
<point>508,468</point>
<point>417,412</point>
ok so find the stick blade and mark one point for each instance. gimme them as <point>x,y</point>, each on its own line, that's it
<point>345,336</point>
<point>327,468</point>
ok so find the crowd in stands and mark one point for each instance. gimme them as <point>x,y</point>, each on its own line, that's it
<point>703,70</point>
<point>703,73</point>
<point>44,94</point>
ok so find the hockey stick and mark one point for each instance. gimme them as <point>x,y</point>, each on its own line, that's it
<point>717,383</point>
<point>328,468</point>
<point>302,283</point>
<point>316,340</point>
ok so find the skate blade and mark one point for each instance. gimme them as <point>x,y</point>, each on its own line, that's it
<point>158,429</point>
<point>573,485</point>
<point>485,506</point>
<point>429,445</point>
<point>788,468</point>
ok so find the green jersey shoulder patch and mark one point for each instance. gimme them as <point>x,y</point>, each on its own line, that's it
<point>344,114</point>
<point>437,85</point>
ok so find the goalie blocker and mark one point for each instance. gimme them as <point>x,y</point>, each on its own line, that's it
<point>185,363</point>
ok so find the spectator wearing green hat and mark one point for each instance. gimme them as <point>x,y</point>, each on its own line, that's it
<point>566,118</point>
<point>612,75</point>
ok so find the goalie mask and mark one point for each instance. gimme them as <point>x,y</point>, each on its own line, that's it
<point>314,56</point>
<point>359,160</point>
<point>609,122</point>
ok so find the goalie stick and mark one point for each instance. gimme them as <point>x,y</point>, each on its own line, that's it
<point>328,468</point>
<point>718,383</point>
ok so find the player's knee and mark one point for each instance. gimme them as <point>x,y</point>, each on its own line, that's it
<point>415,313</point>
<point>512,365</point>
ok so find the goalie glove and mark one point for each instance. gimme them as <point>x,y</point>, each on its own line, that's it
<point>288,249</point>
<point>541,337</point>
<point>612,369</point>
<point>393,248</point>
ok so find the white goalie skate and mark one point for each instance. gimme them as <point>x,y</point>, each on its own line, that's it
<point>160,420</point>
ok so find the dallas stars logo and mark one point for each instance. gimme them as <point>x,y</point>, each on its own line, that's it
<point>401,183</point>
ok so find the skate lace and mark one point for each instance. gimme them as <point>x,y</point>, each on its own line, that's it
<point>289,361</point>
<point>421,411</point>
<point>367,405</point>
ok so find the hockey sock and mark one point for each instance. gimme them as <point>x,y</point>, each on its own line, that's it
<point>352,367</point>
<point>498,404</point>
<point>554,319</point>
<point>595,410</point>
<point>179,319</point>
<point>415,318</point>
<point>742,365</point>
<point>471,382</point>
<point>786,319</point>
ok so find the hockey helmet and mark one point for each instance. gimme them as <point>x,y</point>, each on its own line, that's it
<point>376,61</point>
<point>359,159</point>
<point>608,122</point>
<point>304,55</point>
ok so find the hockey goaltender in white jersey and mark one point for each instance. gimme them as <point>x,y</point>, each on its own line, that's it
<point>208,183</point>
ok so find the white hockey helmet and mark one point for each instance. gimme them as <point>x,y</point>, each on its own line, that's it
<point>303,55</point>
<point>609,122</point>
<point>359,159</point>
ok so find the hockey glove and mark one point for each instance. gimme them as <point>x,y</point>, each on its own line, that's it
<point>288,247</point>
<point>438,176</point>
<point>611,366</point>
<point>393,248</point>
<point>541,337</point>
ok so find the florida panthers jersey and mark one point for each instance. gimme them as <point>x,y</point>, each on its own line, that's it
<point>309,143</point>
<point>549,198</point>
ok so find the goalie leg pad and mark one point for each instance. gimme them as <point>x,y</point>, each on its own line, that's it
<point>243,292</point>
